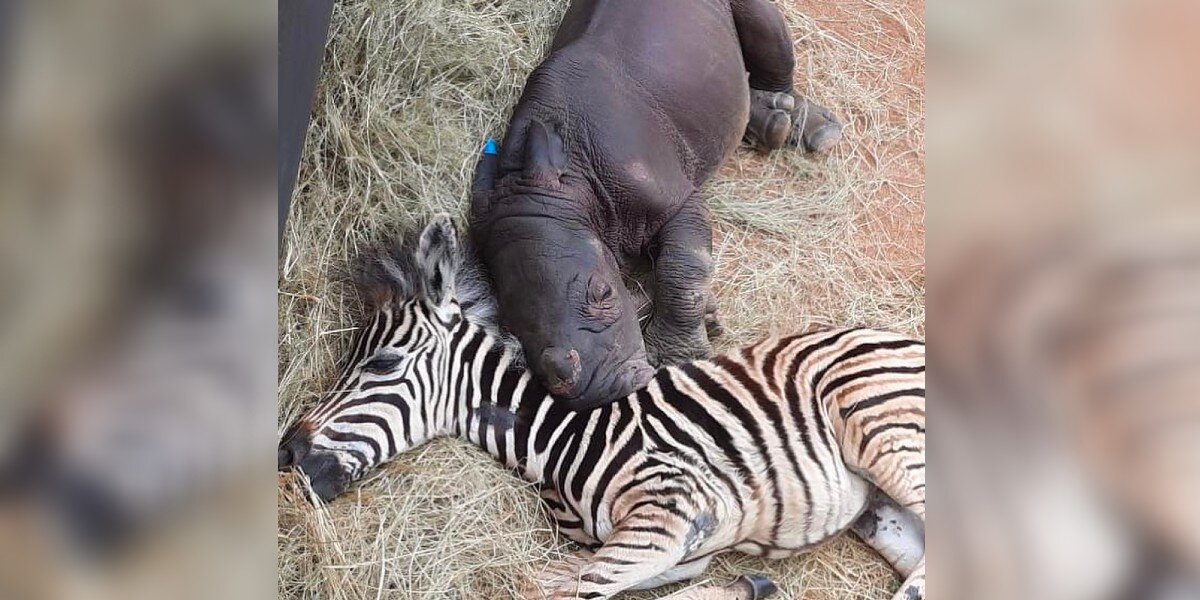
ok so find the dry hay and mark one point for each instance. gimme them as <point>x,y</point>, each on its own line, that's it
<point>409,92</point>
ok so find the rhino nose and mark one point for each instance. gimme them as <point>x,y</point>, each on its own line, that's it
<point>561,368</point>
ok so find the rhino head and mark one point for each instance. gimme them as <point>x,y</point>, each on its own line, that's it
<point>558,285</point>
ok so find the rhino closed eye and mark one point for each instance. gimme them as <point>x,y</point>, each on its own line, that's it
<point>601,309</point>
<point>382,365</point>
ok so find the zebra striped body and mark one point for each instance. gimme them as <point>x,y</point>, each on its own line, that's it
<point>768,451</point>
<point>744,433</point>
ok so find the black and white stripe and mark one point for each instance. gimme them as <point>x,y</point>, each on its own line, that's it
<point>769,450</point>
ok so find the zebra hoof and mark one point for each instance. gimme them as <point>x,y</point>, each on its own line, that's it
<point>756,586</point>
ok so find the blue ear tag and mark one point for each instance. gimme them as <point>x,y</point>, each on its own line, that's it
<point>490,148</point>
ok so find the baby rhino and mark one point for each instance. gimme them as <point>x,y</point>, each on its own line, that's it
<point>637,105</point>
<point>768,450</point>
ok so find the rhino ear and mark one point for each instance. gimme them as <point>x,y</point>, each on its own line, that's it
<point>438,258</point>
<point>545,155</point>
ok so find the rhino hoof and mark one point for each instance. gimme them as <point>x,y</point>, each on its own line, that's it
<point>713,327</point>
<point>776,130</point>
<point>816,129</point>
<point>823,138</point>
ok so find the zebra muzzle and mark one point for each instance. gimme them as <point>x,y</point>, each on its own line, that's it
<point>292,450</point>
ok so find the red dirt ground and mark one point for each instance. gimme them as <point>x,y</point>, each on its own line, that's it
<point>897,212</point>
<point>895,216</point>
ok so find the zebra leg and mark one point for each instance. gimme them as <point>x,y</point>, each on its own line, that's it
<point>624,561</point>
<point>747,587</point>
<point>899,536</point>
<point>896,513</point>
<point>879,422</point>
<point>569,522</point>
<point>896,534</point>
<point>900,475</point>
<point>557,575</point>
<point>648,542</point>
<point>676,574</point>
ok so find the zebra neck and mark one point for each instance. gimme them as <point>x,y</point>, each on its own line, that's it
<point>498,403</point>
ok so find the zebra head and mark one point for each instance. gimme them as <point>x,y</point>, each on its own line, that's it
<point>387,399</point>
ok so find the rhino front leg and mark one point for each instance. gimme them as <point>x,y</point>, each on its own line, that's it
<point>682,257</point>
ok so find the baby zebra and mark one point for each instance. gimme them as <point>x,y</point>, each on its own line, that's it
<point>768,450</point>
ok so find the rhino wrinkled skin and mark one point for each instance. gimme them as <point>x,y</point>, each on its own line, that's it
<point>637,104</point>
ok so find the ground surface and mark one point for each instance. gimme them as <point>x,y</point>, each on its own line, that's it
<point>410,90</point>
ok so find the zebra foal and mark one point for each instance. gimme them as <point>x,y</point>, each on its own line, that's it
<point>768,450</point>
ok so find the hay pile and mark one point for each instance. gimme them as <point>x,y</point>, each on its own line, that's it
<point>409,92</point>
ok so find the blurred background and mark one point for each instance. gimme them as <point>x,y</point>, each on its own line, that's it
<point>1064,272</point>
<point>137,308</point>
<point>138,272</point>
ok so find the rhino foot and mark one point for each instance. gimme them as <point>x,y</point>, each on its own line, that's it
<point>712,323</point>
<point>816,129</point>
<point>770,124</point>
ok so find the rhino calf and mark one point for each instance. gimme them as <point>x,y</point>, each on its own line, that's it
<point>635,107</point>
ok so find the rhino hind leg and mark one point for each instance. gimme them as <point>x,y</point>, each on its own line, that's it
<point>766,44</point>
<point>782,118</point>
<point>770,61</point>
<point>778,116</point>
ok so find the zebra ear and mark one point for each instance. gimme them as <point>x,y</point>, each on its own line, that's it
<point>438,257</point>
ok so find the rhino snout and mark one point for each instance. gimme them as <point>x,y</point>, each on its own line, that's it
<point>561,369</point>
<point>637,375</point>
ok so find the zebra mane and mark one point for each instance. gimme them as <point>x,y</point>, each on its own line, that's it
<point>393,274</point>
<point>473,288</point>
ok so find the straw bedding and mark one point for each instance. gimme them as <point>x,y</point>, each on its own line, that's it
<point>409,92</point>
